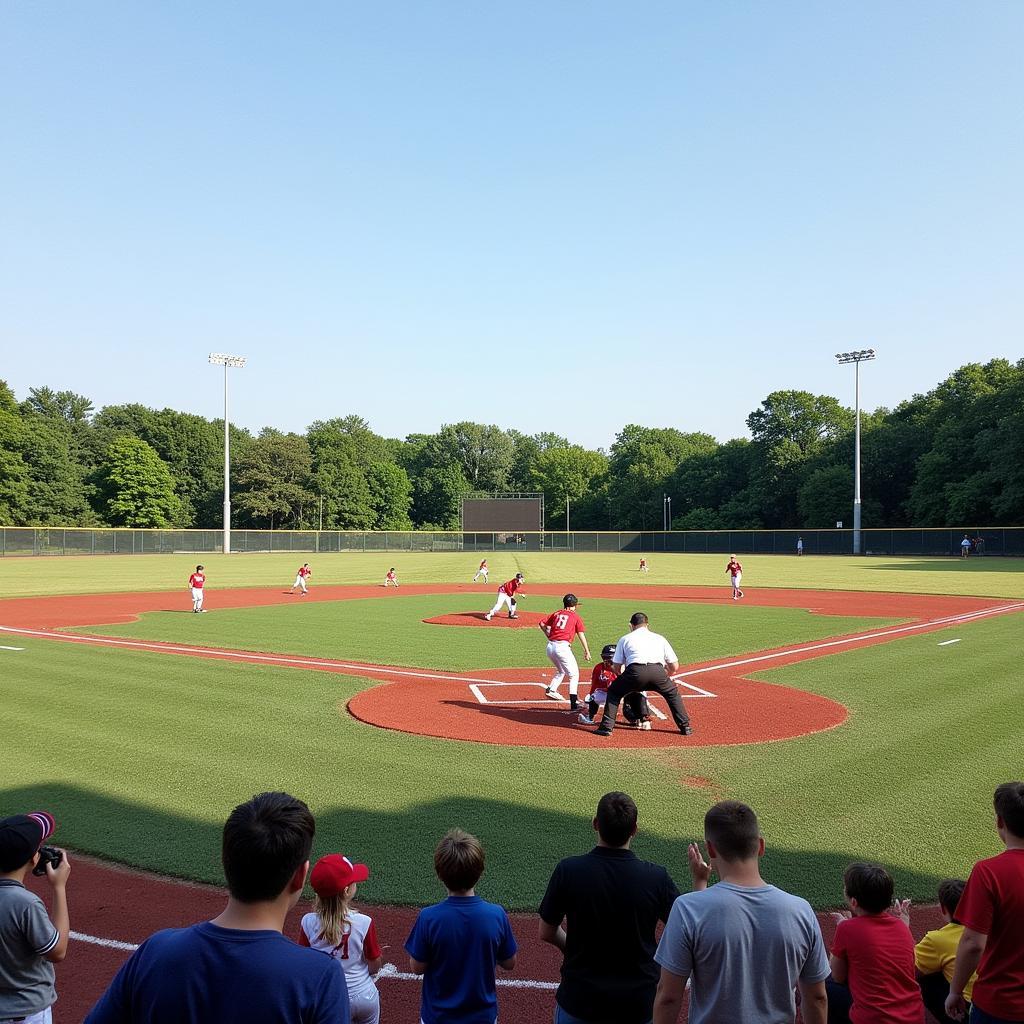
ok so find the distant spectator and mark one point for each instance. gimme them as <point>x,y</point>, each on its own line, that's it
<point>743,944</point>
<point>457,943</point>
<point>30,943</point>
<point>238,968</point>
<point>606,980</point>
<point>799,545</point>
<point>872,956</point>
<point>992,913</point>
<point>979,544</point>
<point>935,954</point>
<point>336,928</point>
<point>965,546</point>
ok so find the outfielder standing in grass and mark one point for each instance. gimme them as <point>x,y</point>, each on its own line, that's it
<point>508,594</point>
<point>735,571</point>
<point>196,582</point>
<point>561,628</point>
<point>300,579</point>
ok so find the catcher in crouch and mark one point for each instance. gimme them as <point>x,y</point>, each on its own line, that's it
<point>635,708</point>
<point>508,594</point>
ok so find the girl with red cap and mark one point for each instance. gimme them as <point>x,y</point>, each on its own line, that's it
<point>338,929</point>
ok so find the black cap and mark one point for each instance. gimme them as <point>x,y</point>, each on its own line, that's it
<point>608,651</point>
<point>21,836</point>
<point>570,601</point>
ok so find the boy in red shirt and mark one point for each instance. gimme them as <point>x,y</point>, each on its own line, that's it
<point>992,913</point>
<point>872,955</point>
<point>635,708</point>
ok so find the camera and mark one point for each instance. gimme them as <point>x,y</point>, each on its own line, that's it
<point>47,855</point>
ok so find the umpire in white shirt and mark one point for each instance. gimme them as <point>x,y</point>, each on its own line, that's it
<point>644,661</point>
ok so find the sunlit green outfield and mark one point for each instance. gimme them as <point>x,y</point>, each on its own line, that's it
<point>141,755</point>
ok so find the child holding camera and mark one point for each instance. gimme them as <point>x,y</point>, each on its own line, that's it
<point>30,943</point>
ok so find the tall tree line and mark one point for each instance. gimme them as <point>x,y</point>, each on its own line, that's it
<point>951,457</point>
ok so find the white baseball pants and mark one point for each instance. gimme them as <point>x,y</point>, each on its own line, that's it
<point>300,581</point>
<point>560,655</point>
<point>364,1004</point>
<point>503,599</point>
<point>197,598</point>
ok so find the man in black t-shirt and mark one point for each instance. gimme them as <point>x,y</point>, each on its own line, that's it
<point>611,903</point>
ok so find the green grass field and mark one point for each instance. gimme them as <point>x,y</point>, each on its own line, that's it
<point>141,755</point>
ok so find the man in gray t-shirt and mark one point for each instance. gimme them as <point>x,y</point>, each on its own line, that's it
<point>744,945</point>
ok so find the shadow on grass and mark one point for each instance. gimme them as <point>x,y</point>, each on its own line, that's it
<point>523,845</point>
<point>976,563</point>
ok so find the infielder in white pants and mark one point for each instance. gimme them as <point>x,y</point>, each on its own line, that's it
<point>507,595</point>
<point>561,628</point>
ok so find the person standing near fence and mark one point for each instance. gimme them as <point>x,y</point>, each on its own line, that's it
<point>799,545</point>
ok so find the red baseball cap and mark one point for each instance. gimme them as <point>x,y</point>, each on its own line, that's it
<point>334,873</point>
<point>21,836</point>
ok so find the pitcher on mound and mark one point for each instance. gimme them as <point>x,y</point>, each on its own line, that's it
<point>508,593</point>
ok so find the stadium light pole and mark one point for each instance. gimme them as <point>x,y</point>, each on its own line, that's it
<point>220,359</point>
<point>857,357</point>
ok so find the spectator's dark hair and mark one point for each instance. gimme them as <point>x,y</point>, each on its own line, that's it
<point>459,860</point>
<point>733,829</point>
<point>870,885</point>
<point>638,619</point>
<point>616,818</point>
<point>266,840</point>
<point>950,892</point>
<point>1009,804</point>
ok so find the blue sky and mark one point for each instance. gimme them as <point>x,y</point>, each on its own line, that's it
<point>550,216</point>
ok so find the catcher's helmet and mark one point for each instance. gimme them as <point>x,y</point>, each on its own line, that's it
<point>570,601</point>
<point>608,651</point>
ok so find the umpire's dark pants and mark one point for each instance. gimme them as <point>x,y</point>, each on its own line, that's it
<point>635,677</point>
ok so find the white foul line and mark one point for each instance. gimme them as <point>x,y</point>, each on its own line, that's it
<point>5,648</point>
<point>946,643</point>
<point>389,971</point>
<point>858,638</point>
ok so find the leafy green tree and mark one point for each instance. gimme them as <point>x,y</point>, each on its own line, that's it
<point>483,454</point>
<point>566,473</point>
<point>136,487</point>
<point>437,496</point>
<point>271,477</point>
<point>61,405</point>
<point>14,474</point>
<point>390,496</point>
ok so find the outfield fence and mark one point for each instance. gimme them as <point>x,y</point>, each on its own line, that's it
<point>16,541</point>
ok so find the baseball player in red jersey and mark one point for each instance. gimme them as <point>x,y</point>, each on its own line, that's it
<point>508,594</point>
<point>735,571</point>
<point>643,565</point>
<point>390,579</point>
<point>482,571</point>
<point>196,582</point>
<point>561,628</point>
<point>300,579</point>
<point>635,708</point>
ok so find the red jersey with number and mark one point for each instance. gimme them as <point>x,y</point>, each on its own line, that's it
<point>879,952</point>
<point>564,625</point>
<point>305,571</point>
<point>511,587</point>
<point>196,580</point>
<point>993,905</point>
<point>733,568</point>
<point>357,944</point>
<point>602,677</point>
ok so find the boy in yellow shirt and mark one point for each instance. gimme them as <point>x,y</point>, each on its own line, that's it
<point>935,954</point>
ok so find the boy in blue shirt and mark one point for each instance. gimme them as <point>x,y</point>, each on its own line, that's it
<point>456,944</point>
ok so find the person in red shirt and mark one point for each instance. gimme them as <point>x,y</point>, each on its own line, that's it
<point>992,913</point>
<point>482,571</point>
<point>561,628</point>
<point>635,708</point>
<point>508,594</point>
<point>872,956</point>
<point>196,583</point>
<point>735,571</point>
<point>390,578</point>
<point>300,579</point>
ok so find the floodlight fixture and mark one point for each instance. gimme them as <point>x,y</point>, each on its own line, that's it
<point>858,356</point>
<point>222,359</point>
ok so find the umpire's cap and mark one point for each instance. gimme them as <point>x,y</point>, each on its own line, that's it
<point>570,601</point>
<point>608,651</point>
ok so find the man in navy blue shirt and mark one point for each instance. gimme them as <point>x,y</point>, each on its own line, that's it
<point>238,968</point>
<point>456,944</point>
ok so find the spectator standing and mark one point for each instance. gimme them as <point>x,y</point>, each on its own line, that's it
<point>238,968</point>
<point>30,942</point>
<point>992,913</point>
<point>935,954</point>
<point>872,956</point>
<point>457,943</point>
<point>965,546</point>
<point>336,928</point>
<point>799,545</point>
<point>643,660</point>
<point>607,981</point>
<point>743,944</point>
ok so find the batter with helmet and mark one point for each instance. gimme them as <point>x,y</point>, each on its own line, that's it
<point>508,594</point>
<point>561,628</point>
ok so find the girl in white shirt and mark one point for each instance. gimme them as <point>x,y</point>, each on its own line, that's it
<point>339,930</point>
